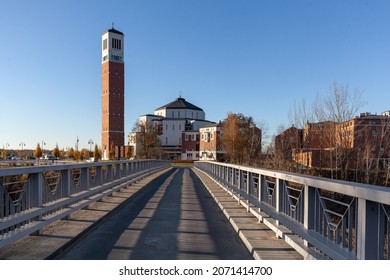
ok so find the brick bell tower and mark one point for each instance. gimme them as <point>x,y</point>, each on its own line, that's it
<point>113,90</point>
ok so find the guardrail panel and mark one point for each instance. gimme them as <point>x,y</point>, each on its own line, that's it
<point>53,189</point>
<point>345,219</point>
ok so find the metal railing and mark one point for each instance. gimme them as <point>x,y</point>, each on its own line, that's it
<point>320,217</point>
<point>33,197</point>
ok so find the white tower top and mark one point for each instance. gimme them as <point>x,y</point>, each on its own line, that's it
<point>112,46</point>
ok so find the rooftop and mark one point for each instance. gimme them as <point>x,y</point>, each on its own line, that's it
<point>180,103</point>
<point>213,124</point>
<point>113,30</point>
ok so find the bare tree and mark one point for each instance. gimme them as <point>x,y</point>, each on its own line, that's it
<point>300,114</point>
<point>147,136</point>
<point>340,105</point>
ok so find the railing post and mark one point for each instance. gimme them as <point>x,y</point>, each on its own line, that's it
<point>240,179</point>
<point>36,194</point>
<point>249,183</point>
<point>368,230</point>
<point>99,176</point>
<point>65,183</point>
<point>309,209</point>
<point>249,187</point>
<point>110,175</point>
<point>262,186</point>
<point>84,178</point>
<point>279,196</point>
<point>36,191</point>
<point>118,172</point>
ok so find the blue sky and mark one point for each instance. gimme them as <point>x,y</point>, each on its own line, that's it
<point>253,57</point>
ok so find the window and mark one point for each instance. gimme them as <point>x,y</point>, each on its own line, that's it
<point>373,132</point>
<point>186,137</point>
<point>178,114</point>
<point>179,126</point>
<point>116,43</point>
<point>212,136</point>
<point>193,137</point>
<point>104,44</point>
<point>173,127</point>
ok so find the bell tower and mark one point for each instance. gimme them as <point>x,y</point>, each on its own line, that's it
<point>113,90</point>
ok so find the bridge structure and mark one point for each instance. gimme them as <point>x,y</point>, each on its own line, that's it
<point>156,207</point>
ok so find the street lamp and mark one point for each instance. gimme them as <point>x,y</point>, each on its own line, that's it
<point>43,143</point>
<point>5,150</point>
<point>22,144</point>
<point>90,142</point>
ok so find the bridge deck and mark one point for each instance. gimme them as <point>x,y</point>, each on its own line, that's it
<point>194,230</point>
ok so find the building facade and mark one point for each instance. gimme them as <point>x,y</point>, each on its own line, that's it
<point>359,143</point>
<point>113,91</point>
<point>190,145</point>
<point>171,120</point>
<point>210,142</point>
<point>287,141</point>
<point>367,139</point>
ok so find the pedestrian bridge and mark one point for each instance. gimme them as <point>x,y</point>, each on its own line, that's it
<point>152,210</point>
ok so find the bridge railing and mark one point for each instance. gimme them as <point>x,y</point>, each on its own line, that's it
<point>338,219</point>
<point>34,197</point>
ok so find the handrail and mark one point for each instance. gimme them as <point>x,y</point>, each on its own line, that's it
<point>343,220</point>
<point>28,205</point>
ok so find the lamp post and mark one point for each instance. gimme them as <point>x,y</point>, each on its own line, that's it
<point>90,142</point>
<point>77,148</point>
<point>22,144</point>
<point>43,143</point>
<point>5,148</point>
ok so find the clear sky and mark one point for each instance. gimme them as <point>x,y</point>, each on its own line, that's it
<point>254,57</point>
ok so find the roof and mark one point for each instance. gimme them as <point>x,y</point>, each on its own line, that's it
<point>180,103</point>
<point>112,30</point>
<point>213,124</point>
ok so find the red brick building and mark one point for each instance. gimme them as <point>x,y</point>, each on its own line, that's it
<point>364,140</point>
<point>319,135</point>
<point>368,136</point>
<point>210,142</point>
<point>287,141</point>
<point>113,91</point>
<point>190,145</point>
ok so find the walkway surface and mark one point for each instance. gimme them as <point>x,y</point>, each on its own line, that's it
<point>175,217</point>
